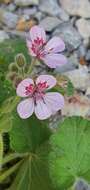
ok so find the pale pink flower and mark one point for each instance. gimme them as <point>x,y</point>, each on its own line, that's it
<point>42,103</point>
<point>48,52</point>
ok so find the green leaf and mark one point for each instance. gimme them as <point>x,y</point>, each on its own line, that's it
<point>9,49</point>
<point>27,135</point>
<point>5,123</point>
<point>9,105</point>
<point>33,174</point>
<point>70,89</point>
<point>70,155</point>
<point>6,89</point>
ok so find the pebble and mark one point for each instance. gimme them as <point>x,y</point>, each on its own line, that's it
<point>81,185</point>
<point>88,55</point>
<point>26,2</point>
<point>3,36</point>
<point>83,26</point>
<point>49,7</point>
<point>49,23</point>
<point>79,77</point>
<point>8,18</point>
<point>76,7</point>
<point>11,7</point>
<point>30,11</point>
<point>25,25</point>
<point>63,15</point>
<point>69,34</point>
<point>72,64</point>
<point>88,92</point>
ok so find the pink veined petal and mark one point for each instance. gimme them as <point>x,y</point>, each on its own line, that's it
<point>42,111</point>
<point>55,45</point>
<point>26,108</point>
<point>22,85</point>
<point>51,81</point>
<point>37,31</point>
<point>54,100</point>
<point>29,45</point>
<point>54,60</point>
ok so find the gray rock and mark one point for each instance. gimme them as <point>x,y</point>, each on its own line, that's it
<point>77,7</point>
<point>49,23</point>
<point>88,92</point>
<point>72,64</point>
<point>79,77</point>
<point>69,34</point>
<point>81,185</point>
<point>81,51</point>
<point>51,7</point>
<point>63,15</point>
<point>83,27</point>
<point>39,16</point>
<point>30,11</point>
<point>26,2</point>
<point>11,7</point>
<point>3,36</point>
<point>8,18</point>
<point>88,55</point>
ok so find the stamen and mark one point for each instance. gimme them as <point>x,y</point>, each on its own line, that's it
<point>29,89</point>
<point>42,85</point>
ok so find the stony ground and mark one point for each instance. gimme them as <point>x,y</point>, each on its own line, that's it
<point>69,19</point>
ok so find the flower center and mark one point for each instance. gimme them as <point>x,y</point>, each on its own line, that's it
<point>36,91</point>
<point>38,47</point>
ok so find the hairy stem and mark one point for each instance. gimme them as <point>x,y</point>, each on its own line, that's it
<point>31,66</point>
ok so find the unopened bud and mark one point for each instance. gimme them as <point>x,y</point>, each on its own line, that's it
<point>20,60</point>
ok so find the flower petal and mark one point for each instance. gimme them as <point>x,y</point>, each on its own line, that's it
<point>54,60</point>
<point>29,45</point>
<point>26,108</point>
<point>42,111</point>
<point>54,100</point>
<point>37,32</point>
<point>22,85</point>
<point>51,81</point>
<point>55,45</point>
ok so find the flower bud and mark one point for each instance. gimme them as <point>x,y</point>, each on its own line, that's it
<point>13,67</point>
<point>20,60</point>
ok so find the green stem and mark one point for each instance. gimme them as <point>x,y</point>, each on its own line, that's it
<point>8,172</point>
<point>31,66</point>
<point>1,149</point>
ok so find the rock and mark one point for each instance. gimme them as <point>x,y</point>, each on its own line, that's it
<point>23,25</point>
<point>88,92</point>
<point>30,11</point>
<point>63,15</point>
<point>39,16</point>
<point>77,105</point>
<point>11,7</point>
<point>79,77</point>
<point>26,2</point>
<point>88,55</point>
<point>49,23</point>
<point>7,1</point>
<point>76,7</point>
<point>83,27</point>
<point>69,34</point>
<point>72,64</point>
<point>81,51</point>
<point>81,185</point>
<point>52,8</point>
<point>3,36</point>
<point>8,18</point>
